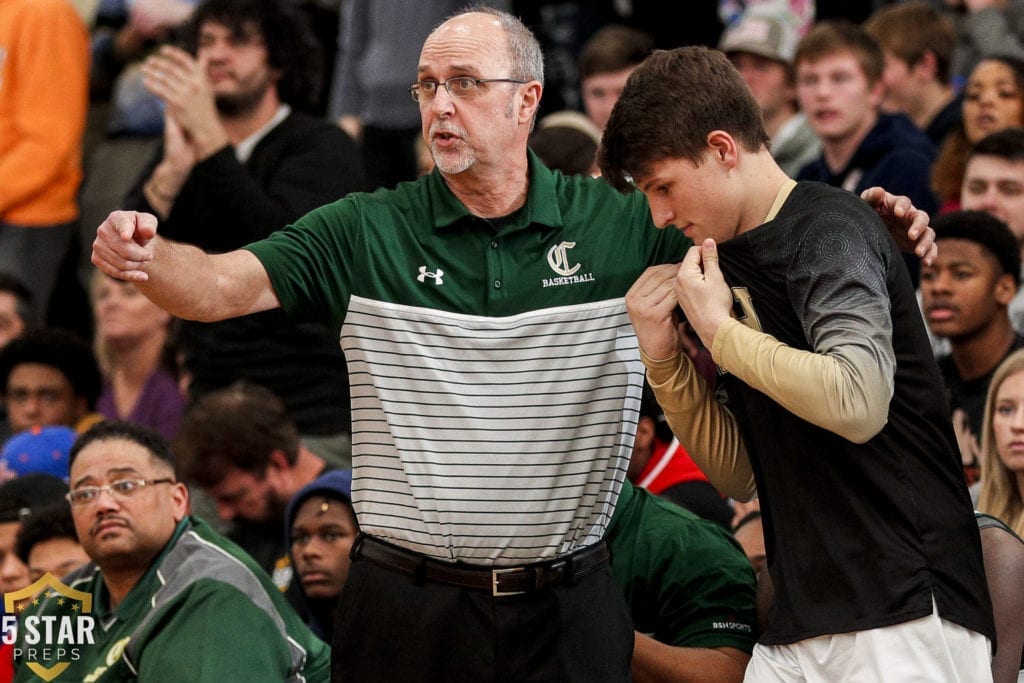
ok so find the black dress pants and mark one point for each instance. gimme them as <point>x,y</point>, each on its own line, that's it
<point>393,628</point>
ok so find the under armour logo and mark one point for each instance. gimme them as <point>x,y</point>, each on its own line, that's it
<point>437,277</point>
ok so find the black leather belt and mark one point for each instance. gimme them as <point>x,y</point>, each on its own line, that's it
<point>503,581</point>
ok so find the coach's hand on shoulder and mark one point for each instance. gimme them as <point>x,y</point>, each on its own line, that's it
<point>123,245</point>
<point>907,224</point>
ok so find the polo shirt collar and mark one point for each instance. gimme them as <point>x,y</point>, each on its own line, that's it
<point>541,208</point>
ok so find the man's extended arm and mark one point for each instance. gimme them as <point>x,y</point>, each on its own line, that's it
<point>179,278</point>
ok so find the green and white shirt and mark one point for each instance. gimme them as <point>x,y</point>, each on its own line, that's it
<point>495,376</point>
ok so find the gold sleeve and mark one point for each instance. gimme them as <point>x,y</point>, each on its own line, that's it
<point>844,391</point>
<point>702,424</point>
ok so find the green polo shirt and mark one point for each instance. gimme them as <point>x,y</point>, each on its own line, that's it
<point>686,580</point>
<point>495,375</point>
<point>203,612</point>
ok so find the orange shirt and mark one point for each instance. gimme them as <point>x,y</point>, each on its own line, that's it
<point>44,91</point>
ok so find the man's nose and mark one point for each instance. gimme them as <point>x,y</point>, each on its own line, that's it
<point>106,500</point>
<point>313,548</point>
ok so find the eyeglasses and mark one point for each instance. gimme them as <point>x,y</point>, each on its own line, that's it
<point>457,86</point>
<point>124,488</point>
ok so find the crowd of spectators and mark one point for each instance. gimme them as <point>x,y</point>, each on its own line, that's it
<point>229,119</point>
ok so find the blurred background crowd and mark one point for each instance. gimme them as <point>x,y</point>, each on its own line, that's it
<point>113,104</point>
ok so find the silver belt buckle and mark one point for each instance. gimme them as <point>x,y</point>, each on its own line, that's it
<point>495,573</point>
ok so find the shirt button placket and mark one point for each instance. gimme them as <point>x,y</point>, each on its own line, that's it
<point>496,266</point>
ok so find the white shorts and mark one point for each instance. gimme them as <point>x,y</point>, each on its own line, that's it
<point>926,650</point>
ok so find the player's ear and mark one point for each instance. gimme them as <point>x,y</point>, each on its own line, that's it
<point>928,62</point>
<point>722,148</point>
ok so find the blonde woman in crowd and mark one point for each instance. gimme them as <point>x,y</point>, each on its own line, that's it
<point>1002,457</point>
<point>131,343</point>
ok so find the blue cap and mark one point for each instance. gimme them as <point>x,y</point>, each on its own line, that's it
<point>42,450</point>
<point>336,484</point>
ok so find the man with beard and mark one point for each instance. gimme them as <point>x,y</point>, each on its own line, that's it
<point>240,446</point>
<point>240,159</point>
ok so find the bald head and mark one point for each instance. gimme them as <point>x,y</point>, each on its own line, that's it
<point>498,32</point>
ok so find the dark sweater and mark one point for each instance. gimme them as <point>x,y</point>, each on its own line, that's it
<point>894,154</point>
<point>945,121</point>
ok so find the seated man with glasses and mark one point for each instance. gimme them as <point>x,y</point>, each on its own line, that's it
<point>165,588</point>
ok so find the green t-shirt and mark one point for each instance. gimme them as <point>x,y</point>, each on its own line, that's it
<point>494,373</point>
<point>686,580</point>
<point>203,612</point>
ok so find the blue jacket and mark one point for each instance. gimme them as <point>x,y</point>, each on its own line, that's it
<point>895,154</point>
